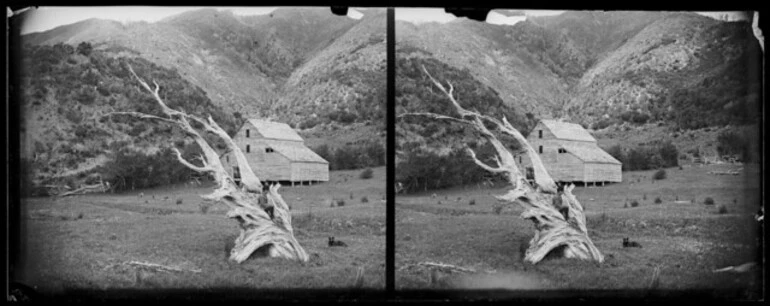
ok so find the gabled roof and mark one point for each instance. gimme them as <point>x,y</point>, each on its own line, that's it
<point>567,131</point>
<point>275,130</point>
<point>590,153</point>
<point>296,152</point>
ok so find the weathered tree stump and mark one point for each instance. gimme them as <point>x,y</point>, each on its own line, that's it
<point>262,214</point>
<point>560,226</point>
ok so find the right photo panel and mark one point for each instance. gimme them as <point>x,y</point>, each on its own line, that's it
<point>579,150</point>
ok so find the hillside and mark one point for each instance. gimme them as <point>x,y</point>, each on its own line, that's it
<point>323,74</point>
<point>686,70</point>
<point>603,68</point>
<point>492,55</point>
<point>243,63</point>
<point>637,79</point>
<point>431,153</point>
<point>67,94</point>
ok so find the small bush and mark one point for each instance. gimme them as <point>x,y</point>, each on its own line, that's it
<point>625,205</point>
<point>644,197</point>
<point>178,201</point>
<point>204,208</point>
<point>340,202</point>
<point>659,175</point>
<point>722,209</point>
<point>634,203</point>
<point>658,200</point>
<point>366,174</point>
<point>351,195</point>
<point>708,201</point>
<point>498,209</point>
<point>364,200</point>
<point>472,202</point>
<point>80,216</point>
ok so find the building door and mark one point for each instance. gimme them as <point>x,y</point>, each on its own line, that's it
<point>530,173</point>
<point>237,175</point>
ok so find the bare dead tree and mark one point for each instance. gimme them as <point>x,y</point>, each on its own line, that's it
<point>557,229</point>
<point>258,228</point>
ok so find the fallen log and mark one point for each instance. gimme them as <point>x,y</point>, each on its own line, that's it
<point>101,187</point>
<point>446,267</point>
<point>161,267</point>
<point>737,269</point>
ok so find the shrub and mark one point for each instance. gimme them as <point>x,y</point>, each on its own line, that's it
<point>498,209</point>
<point>364,200</point>
<point>708,201</point>
<point>617,152</point>
<point>730,142</point>
<point>472,202</point>
<point>658,200</point>
<point>603,123</point>
<point>634,203</point>
<point>203,207</point>
<point>644,197</point>
<point>85,48</point>
<point>669,154</point>
<point>178,201</point>
<point>366,174</point>
<point>659,175</point>
<point>625,205</point>
<point>722,209</point>
<point>80,216</point>
<point>340,202</point>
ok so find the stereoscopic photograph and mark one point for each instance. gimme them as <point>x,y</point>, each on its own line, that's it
<point>201,148</point>
<point>579,150</point>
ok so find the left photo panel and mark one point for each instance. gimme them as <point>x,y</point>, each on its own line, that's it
<point>201,148</point>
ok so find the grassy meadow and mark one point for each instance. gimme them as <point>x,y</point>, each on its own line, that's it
<point>683,237</point>
<point>87,242</point>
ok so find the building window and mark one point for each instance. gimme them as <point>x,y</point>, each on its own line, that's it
<point>248,148</point>
<point>540,135</point>
<point>247,133</point>
<point>540,149</point>
<point>268,150</point>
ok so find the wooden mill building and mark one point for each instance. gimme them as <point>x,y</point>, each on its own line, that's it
<point>570,154</point>
<point>277,153</point>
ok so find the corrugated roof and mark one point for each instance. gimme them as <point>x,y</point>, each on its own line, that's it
<point>275,130</point>
<point>590,154</point>
<point>568,131</point>
<point>296,152</point>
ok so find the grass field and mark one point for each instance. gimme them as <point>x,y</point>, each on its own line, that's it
<point>85,242</point>
<point>685,240</point>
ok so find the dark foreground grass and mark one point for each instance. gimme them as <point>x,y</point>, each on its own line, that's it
<point>685,241</point>
<point>86,242</point>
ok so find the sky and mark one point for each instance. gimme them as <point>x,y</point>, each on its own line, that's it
<point>46,18</point>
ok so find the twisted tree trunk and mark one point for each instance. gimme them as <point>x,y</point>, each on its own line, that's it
<point>250,203</point>
<point>558,228</point>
